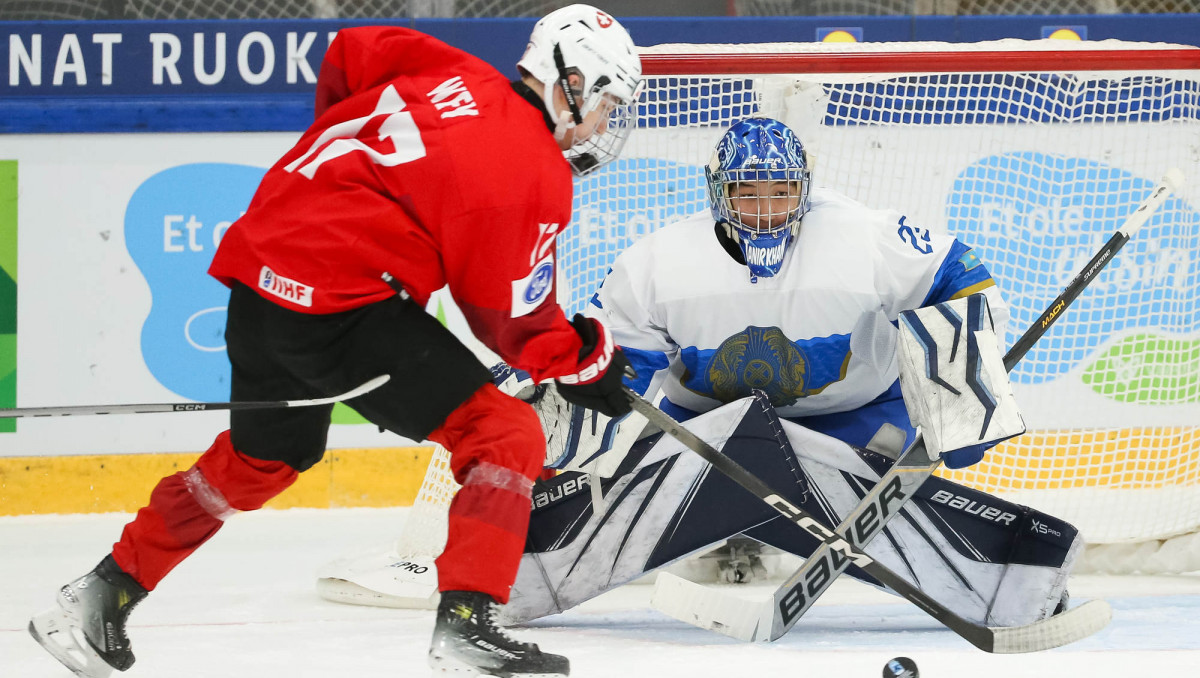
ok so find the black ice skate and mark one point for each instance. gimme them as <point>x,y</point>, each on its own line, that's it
<point>86,630</point>
<point>467,641</point>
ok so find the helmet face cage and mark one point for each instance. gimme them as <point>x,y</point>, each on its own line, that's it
<point>606,143</point>
<point>758,187</point>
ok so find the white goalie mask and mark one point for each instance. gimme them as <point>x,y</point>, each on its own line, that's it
<point>582,40</point>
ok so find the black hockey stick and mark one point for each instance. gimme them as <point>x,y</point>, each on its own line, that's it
<point>747,620</point>
<point>751,620</point>
<point>150,408</point>
<point>1061,629</point>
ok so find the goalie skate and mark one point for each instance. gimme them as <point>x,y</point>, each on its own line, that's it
<point>86,629</point>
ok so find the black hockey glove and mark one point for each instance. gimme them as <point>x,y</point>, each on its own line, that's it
<point>602,366</point>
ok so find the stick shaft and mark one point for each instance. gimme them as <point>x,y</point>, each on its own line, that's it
<point>153,408</point>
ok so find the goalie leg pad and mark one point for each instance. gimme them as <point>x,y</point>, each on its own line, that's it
<point>665,503</point>
<point>990,561</point>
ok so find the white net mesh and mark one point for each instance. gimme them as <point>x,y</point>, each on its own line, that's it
<point>425,527</point>
<point>1034,171</point>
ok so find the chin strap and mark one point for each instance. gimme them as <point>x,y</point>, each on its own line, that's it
<point>565,120</point>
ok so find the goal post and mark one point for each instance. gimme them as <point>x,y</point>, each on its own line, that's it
<point>1030,152</point>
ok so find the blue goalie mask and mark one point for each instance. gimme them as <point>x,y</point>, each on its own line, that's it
<point>758,181</point>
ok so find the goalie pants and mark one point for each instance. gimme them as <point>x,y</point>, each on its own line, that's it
<point>438,391</point>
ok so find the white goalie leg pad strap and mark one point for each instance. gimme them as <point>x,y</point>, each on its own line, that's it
<point>953,378</point>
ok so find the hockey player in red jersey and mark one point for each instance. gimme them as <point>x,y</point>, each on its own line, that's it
<point>385,199</point>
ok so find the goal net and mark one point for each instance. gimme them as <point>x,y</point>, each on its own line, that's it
<point>1030,152</point>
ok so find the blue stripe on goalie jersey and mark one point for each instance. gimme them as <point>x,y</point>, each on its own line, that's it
<point>645,364</point>
<point>764,358</point>
<point>961,274</point>
<point>595,300</point>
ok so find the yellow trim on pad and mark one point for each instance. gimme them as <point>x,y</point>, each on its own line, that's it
<point>122,482</point>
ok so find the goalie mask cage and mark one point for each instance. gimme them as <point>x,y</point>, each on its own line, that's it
<point>1030,152</point>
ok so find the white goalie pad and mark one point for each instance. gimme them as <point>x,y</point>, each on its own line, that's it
<point>576,438</point>
<point>953,378</point>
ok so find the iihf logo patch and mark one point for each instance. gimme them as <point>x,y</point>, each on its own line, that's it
<point>285,288</point>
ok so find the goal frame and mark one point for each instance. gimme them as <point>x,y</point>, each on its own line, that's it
<point>909,59</point>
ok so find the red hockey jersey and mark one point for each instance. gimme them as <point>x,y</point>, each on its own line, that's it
<point>425,164</point>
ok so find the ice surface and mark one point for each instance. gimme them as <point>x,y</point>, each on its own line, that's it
<point>245,606</point>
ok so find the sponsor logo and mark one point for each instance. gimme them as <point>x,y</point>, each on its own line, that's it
<point>556,494</point>
<point>529,292</point>
<point>973,507</point>
<point>1053,313</point>
<point>1036,239</point>
<point>543,279</point>
<point>1146,369</point>
<point>189,407</point>
<point>285,288</point>
<point>1039,527</point>
<point>821,569</point>
<point>415,568</point>
<point>495,649</point>
<point>597,367</point>
<point>916,236</point>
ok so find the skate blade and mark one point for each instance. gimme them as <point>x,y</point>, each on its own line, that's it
<point>56,630</point>
<point>449,666</point>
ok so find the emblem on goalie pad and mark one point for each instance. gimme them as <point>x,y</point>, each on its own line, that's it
<point>953,379</point>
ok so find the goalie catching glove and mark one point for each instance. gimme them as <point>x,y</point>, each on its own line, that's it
<point>953,379</point>
<point>602,366</point>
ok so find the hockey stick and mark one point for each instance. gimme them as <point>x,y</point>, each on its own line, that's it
<point>150,408</point>
<point>748,620</point>
<point>1061,629</point>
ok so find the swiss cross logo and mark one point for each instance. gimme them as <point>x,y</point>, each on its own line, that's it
<point>603,19</point>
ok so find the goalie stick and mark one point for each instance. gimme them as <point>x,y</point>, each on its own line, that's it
<point>1061,629</point>
<point>151,408</point>
<point>751,620</point>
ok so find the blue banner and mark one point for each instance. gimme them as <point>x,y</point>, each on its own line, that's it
<point>242,75</point>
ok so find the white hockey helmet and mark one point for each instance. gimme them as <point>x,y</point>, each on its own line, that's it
<point>582,40</point>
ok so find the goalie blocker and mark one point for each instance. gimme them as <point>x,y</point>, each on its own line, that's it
<point>988,560</point>
<point>953,379</point>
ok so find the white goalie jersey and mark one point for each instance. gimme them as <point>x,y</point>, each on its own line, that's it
<point>818,338</point>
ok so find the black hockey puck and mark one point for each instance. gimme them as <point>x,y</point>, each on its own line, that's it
<point>901,667</point>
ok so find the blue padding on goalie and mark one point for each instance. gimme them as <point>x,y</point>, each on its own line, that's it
<point>858,426</point>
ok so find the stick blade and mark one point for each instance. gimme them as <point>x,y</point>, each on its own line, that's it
<point>711,609</point>
<point>1075,624</point>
